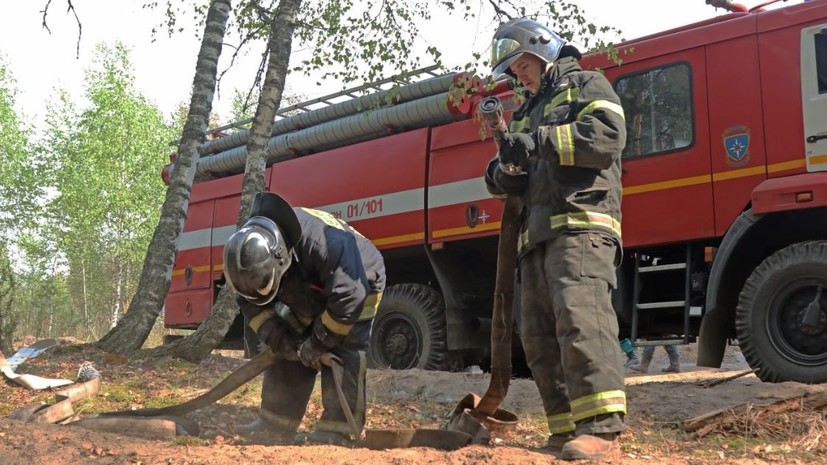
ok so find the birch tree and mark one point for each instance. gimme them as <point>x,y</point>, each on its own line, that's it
<point>145,306</point>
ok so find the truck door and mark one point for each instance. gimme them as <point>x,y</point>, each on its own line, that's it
<point>814,95</point>
<point>667,183</point>
<point>190,291</point>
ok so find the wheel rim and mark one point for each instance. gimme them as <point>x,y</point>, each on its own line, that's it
<point>399,341</point>
<point>797,341</point>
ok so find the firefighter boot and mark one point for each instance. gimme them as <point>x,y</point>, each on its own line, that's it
<point>557,441</point>
<point>590,446</point>
<point>674,363</point>
<point>263,429</point>
<point>643,365</point>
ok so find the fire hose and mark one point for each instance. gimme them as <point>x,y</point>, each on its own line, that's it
<point>479,416</point>
<point>236,379</point>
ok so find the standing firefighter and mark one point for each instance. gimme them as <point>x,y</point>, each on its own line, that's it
<point>562,157</point>
<point>307,284</point>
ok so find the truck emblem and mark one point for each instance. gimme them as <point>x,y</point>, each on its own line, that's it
<point>736,145</point>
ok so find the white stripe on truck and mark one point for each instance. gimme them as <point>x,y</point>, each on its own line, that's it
<point>468,190</point>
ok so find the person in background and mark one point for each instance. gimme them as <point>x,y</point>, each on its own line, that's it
<point>649,352</point>
<point>307,284</point>
<point>562,158</point>
<point>631,354</point>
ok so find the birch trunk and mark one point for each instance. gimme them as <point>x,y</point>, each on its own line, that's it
<point>132,330</point>
<point>199,344</point>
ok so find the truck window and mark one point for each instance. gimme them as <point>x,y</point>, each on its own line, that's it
<point>821,60</point>
<point>658,108</point>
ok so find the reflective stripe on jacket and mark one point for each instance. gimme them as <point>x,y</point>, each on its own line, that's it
<point>574,175</point>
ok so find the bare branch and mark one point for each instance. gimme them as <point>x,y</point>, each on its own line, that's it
<point>71,8</point>
<point>500,12</point>
<point>45,12</point>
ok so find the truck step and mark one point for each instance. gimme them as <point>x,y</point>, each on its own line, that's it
<point>669,304</point>
<point>667,267</point>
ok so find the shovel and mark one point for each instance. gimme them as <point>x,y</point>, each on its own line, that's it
<point>477,416</point>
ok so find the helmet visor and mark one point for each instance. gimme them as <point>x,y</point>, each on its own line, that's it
<point>502,49</point>
<point>255,259</point>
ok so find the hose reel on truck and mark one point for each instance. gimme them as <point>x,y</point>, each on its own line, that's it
<point>410,327</point>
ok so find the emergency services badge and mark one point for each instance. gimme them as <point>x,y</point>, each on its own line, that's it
<point>736,145</point>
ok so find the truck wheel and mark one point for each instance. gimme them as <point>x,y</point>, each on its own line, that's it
<point>409,329</point>
<point>781,318</point>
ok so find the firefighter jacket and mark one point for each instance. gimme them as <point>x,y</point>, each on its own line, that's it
<point>336,280</point>
<point>573,181</point>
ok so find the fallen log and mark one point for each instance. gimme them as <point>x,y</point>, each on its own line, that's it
<point>710,383</point>
<point>728,418</point>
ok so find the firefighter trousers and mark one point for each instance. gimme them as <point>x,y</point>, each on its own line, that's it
<point>287,387</point>
<point>569,332</point>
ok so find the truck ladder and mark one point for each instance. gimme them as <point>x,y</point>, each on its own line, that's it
<point>642,273</point>
<point>338,97</point>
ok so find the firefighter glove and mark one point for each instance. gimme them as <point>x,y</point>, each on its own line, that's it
<point>287,345</point>
<point>510,184</point>
<point>516,149</point>
<point>310,353</point>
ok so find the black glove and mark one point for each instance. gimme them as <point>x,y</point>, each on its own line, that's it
<point>515,151</point>
<point>310,353</point>
<point>510,184</point>
<point>288,346</point>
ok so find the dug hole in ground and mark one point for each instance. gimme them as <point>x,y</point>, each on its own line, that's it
<point>659,404</point>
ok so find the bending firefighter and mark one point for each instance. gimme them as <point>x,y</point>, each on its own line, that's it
<point>307,284</point>
<point>562,158</point>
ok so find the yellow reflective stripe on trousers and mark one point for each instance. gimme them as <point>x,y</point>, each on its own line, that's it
<point>598,404</point>
<point>565,144</point>
<point>369,309</point>
<point>601,220</point>
<point>258,320</point>
<point>603,105</point>
<point>561,423</point>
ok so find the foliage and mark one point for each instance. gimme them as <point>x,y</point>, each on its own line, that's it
<point>103,168</point>
<point>19,186</point>
<point>369,40</point>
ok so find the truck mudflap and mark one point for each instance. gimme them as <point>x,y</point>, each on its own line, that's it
<point>720,300</point>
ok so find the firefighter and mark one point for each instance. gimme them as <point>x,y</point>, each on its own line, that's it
<point>562,158</point>
<point>632,359</point>
<point>648,353</point>
<point>307,284</point>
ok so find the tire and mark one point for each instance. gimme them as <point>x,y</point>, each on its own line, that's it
<point>770,313</point>
<point>409,330</point>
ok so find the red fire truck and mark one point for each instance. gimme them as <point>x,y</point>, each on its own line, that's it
<point>724,207</point>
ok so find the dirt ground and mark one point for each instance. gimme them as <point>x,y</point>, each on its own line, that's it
<point>658,404</point>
